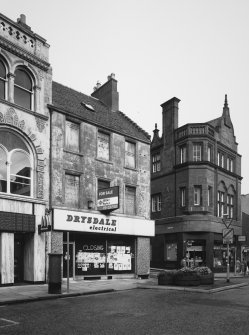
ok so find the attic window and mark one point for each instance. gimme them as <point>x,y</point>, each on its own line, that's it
<point>88,106</point>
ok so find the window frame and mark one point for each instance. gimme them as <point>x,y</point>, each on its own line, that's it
<point>69,173</point>
<point>99,133</point>
<point>76,126</point>
<point>156,203</point>
<point>130,154</point>
<point>135,199</point>
<point>21,88</point>
<point>183,154</point>
<point>197,152</point>
<point>183,196</point>
<point>197,195</point>
<point>230,205</point>
<point>4,80</point>
<point>156,162</point>
<point>221,203</point>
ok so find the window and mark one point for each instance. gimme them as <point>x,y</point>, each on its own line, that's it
<point>183,196</point>
<point>170,252</point>
<point>197,152</point>
<point>23,89</point>
<point>220,159</point>
<point>72,136</point>
<point>197,195</point>
<point>130,200</point>
<point>72,190</point>
<point>230,164</point>
<point>103,184</point>
<point>210,153</point>
<point>3,80</point>
<point>156,162</point>
<point>183,154</point>
<point>130,154</point>
<point>156,203</point>
<point>230,206</point>
<point>103,146</point>
<point>16,165</point>
<point>221,203</point>
<point>209,195</point>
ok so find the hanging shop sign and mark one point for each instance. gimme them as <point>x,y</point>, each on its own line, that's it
<point>108,199</point>
<point>241,238</point>
<point>65,220</point>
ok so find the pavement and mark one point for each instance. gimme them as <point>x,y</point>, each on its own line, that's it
<point>27,293</point>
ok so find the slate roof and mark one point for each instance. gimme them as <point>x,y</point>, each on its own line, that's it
<point>94,111</point>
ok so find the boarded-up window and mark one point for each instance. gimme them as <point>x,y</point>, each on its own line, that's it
<point>130,200</point>
<point>103,146</point>
<point>130,154</point>
<point>72,136</point>
<point>72,188</point>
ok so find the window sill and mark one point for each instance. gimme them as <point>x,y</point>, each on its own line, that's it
<point>129,168</point>
<point>73,152</point>
<point>104,161</point>
<point>20,198</point>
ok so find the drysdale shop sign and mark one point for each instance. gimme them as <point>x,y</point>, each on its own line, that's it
<point>103,224</point>
<point>65,220</point>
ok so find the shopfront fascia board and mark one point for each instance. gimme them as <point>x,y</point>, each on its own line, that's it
<point>89,222</point>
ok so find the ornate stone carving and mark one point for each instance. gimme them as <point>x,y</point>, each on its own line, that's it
<point>40,124</point>
<point>40,185</point>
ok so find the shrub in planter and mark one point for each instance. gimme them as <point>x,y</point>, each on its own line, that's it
<point>187,277</point>
<point>166,277</point>
<point>206,275</point>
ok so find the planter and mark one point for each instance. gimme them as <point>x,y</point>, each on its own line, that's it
<point>187,279</point>
<point>165,278</point>
<point>207,279</point>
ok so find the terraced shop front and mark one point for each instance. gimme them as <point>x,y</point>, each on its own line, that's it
<point>104,245</point>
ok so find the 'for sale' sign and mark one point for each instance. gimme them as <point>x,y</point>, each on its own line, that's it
<point>108,199</point>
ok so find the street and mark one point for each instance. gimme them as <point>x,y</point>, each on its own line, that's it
<point>138,311</point>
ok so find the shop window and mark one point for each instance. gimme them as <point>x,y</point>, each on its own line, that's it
<point>72,190</point>
<point>72,136</point>
<point>130,154</point>
<point>156,203</point>
<point>183,154</point>
<point>171,252</point>
<point>197,152</point>
<point>16,165</point>
<point>23,89</point>
<point>230,206</point>
<point>221,203</point>
<point>183,196</point>
<point>3,80</point>
<point>103,151</point>
<point>130,200</point>
<point>197,195</point>
<point>156,162</point>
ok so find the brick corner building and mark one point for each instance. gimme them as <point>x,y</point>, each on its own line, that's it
<point>195,180</point>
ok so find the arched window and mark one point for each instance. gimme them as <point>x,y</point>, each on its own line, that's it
<point>23,90</point>
<point>16,165</point>
<point>3,80</point>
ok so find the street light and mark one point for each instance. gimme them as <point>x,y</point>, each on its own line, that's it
<point>227,237</point>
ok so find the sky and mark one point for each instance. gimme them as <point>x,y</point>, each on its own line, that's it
<point>195,50</point>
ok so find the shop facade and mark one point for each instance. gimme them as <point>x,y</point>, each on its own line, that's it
<point>104,246</point>
<point>24,152</point>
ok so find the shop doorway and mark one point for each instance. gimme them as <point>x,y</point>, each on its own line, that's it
<point>18,258</point>
<point>71,260</point>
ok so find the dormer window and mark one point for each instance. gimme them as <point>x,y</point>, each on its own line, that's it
<point>23,89</point>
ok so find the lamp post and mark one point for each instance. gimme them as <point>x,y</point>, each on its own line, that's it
<point>227,238</point>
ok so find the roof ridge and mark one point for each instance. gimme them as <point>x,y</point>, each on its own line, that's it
<point>136,125</point>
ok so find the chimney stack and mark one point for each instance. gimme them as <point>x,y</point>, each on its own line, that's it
<point>170,119</point>
<point>108,93</point>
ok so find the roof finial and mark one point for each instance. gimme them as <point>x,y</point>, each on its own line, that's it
<point>155,125</point>
<point>225,104</point>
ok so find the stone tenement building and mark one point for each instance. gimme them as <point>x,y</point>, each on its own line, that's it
<point>73,168</point>
<point>25,91</point>
<point>97,150</point>
<point>195,180</point>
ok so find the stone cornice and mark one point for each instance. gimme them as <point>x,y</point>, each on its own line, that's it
<point>9,46</point>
